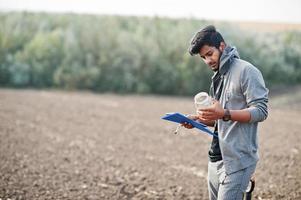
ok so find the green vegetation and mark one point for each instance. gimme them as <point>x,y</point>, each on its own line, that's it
<point>129,54</point>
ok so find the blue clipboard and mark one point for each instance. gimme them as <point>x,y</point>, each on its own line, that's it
<point>179,118</point>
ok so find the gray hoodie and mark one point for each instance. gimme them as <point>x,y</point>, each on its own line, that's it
<point>243,88</point>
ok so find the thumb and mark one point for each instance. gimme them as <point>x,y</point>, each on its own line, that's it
<point>192,116</point>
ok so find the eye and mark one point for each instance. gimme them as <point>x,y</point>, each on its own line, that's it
<point>209,53</point>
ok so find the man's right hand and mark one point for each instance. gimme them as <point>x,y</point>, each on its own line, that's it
<point>197,118</point>
<point>188,125</point>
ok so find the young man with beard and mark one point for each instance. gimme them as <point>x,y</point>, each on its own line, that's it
<point>240,103</point>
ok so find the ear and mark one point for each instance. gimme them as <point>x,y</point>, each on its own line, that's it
<point>222,46</point>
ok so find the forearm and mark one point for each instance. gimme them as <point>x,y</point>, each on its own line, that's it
<point>197,118</point>
<point>243,116</point>
<point>208,122</point>
<point>259,112</point>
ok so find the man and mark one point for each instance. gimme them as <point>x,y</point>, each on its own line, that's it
<point>240,103</point>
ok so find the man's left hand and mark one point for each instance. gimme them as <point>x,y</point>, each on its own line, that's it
<point>213,112</point>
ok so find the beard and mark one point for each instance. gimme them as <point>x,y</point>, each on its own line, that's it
<point>216,67</point>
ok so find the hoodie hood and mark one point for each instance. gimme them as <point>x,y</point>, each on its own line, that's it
<point>226,58</point>
<point>225,61</point>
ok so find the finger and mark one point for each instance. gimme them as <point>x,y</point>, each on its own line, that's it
<point>206,115</point>
<point>208,109</point>
<point>203,109</point>
<point>207,118</point>
<point>211,118</point>
<point>190,127</point>
<point>203,119</point>
<point>193,117</point>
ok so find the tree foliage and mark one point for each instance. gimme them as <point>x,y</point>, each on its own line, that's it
<point>129,54</point>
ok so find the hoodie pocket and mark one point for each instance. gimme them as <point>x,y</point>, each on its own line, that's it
<point>222,175</point>
<point>222,178</point>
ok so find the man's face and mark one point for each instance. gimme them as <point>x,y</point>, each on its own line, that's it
<point>211,56</point>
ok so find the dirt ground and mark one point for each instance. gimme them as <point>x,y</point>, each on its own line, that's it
<point>78,145</point>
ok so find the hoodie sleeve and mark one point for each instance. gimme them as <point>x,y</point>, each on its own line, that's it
<point>255,92</point>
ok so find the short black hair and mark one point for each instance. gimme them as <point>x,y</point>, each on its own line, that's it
<point>206,36</point>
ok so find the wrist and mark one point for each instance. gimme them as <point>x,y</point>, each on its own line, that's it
<point>222,114</point>
<point>227,115</point>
